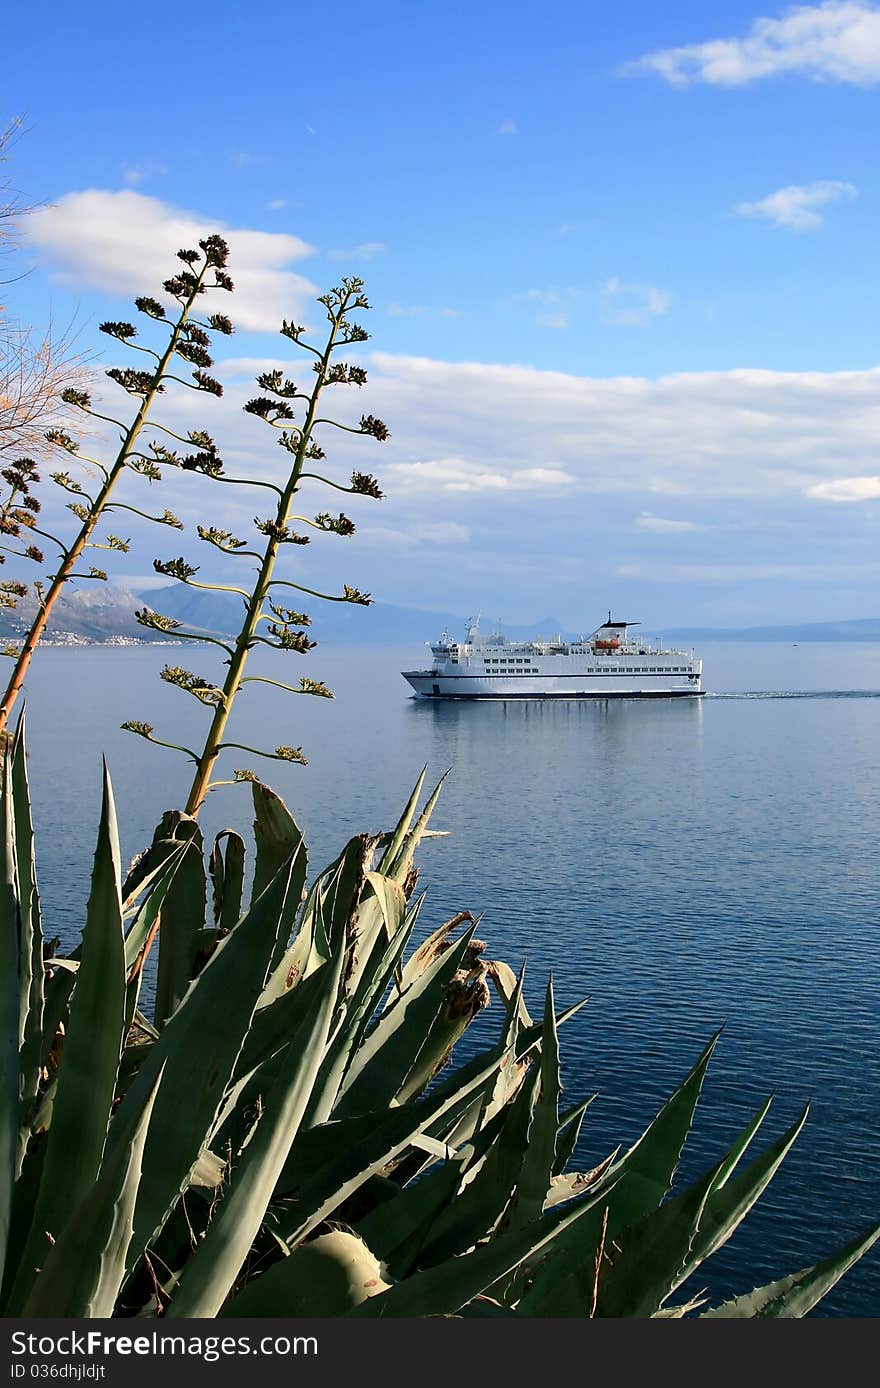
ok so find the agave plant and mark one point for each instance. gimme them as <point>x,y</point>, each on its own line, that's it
<point>282,1136</point>
<point>185,339</point>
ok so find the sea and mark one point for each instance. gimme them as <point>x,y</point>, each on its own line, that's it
<point>689,865</point>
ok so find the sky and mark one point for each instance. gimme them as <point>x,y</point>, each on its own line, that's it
<point>622,263</point>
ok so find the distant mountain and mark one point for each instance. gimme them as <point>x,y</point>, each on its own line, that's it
<point>381,624</point>
<point>91,614</point>
<point>860,629</point>
<point>107,610</point>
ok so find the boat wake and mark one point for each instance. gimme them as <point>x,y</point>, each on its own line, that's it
<point>794,694</point>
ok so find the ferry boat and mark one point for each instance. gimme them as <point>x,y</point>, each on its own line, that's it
<point>609,664</point>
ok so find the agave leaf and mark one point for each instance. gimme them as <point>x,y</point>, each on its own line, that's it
<point>369,1143</point>
<point>338,903</point>
<point>389,1052</point>
<point>511,1074</point>
<point>539,1149</point>
<point>428,951</point>
<point>465,997</point>
<point>87,1078</point>
<point>563,1187</point>
<point>199,1047</point>
<point>211,1272</point>
<point>380,916</point>
<point>796,1295</point>
<point>327,913</point>
<point>148,866</point>
<point>509,985</point>
<point>731,1197</point>
<point>462,1121</point>
<point>489,1186</point>
<point>83,1271</point>
<point>227,877</point>
<point>397,1228</point>
<point>445,1289</point>
<point>273,1027</point>
<point>303,955</point>
<point>326,1277</point>
<point>400,864</point>
<point>182,920</point>
<point>662,1250</point>
<point>400,832</point>
<point>277,836</point>
<point>563,1285</point>
<point>145,922</point>
<point>371,986</point>
<point>31,971</point>
<point>569,1131</point>
<point>9,1007</point>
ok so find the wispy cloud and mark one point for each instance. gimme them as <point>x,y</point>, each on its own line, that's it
<point>558,320</point>
<point>125,242</point>
<point>725,574</point>
<point>507,127</point>
<point>838,41</point>
<point>437,534</point>
<point>367,250</point>
<point>743,434</point>
<point>633,305</point>
<point>795,207</point>
<point>468,475</point>
<point>136,173</point>
<point>660,525</point>
<point>395,310</point>
<point>276,204</point>
<point>846,489</point>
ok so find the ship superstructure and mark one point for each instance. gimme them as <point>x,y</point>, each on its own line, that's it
<point>610,663</point>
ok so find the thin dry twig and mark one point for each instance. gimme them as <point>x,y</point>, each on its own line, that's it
<point>35,366</point>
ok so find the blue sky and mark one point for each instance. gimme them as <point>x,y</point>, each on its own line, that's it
<point>623,266</point>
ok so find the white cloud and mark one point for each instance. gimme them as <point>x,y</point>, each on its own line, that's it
<point>507,127</point>
<point>443,533</point>
<point>554,296</point>
<point>522,435</point>
<point>633,305</point>
<point>552,320</point>
<point>135,174</point>
<point>725,574</point>
<point>795,206</point>
<point>659,525</point>
<point>276,204</point>
<point>367,250</point>
<point>508,468</point>
<point>846,489</point>
<point>125,242</point>
<point>439,534</point>
<point>405,310</point>
<point>743,433</point>
<point>468,475</point>
<point>838,41</point>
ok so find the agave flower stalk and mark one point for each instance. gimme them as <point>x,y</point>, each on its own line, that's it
<point>286,628</point>
<point>187,341</point>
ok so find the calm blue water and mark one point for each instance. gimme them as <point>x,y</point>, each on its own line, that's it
<point>687,864</point>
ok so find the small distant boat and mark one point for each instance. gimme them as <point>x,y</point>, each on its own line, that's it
<point>607,664</point>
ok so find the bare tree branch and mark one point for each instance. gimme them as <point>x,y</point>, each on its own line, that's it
<point>34,366</point>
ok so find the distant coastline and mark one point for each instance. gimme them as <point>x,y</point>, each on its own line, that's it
<point>106,618</point>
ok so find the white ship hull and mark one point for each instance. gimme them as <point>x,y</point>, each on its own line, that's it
<point>585,685</point>
<point>610,664</point>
